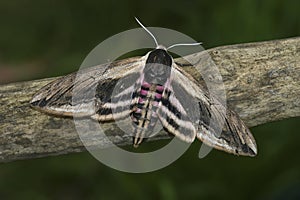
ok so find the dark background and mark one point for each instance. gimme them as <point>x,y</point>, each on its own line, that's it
<point>49,38</point>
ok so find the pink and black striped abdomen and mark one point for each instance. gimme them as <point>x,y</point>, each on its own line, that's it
<point>144,116</point>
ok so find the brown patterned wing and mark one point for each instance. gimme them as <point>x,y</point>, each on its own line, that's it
<point>92,87</point>
<point>216,125</point>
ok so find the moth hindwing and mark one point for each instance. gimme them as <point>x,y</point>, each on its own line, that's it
<point>150,90</point>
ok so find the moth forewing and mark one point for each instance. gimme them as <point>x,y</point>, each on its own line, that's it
<point>71,94</point>
<point>216,126</point>
<point>177,111</point>
<point>56,97</point>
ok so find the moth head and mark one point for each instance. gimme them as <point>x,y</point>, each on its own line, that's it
<point>160,57</point>
<point>159,61</point>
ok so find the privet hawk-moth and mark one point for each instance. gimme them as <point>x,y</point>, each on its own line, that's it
<point>153,89</point>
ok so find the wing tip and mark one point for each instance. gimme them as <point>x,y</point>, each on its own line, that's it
<point>251,145</point>
<point>247,150</point>
<point>251,150</point>
<point>37,103</point>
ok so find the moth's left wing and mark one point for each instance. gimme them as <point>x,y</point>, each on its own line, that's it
<point>85,92</point>
<point>120,101</point>
<point>210,118</point>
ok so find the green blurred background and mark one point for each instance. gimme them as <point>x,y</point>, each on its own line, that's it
<point>49,38</point>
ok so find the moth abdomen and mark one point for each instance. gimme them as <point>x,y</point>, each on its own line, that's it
<point>144,115</point>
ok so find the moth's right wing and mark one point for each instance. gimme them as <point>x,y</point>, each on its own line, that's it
<point>216,125</point>
<point>173,112</point>
<point>86,92</point>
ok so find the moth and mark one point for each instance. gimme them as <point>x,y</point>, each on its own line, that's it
<point>151,90</point>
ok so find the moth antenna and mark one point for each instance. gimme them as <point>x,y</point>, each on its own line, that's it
<point>184,44</point>
<point>147,31</point>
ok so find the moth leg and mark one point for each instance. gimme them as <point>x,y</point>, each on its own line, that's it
<point>138,137</point>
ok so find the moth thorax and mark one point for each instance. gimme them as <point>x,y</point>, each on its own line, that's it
<point>158,67</point>
<point>156,73</point>
<point>159,56</point>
